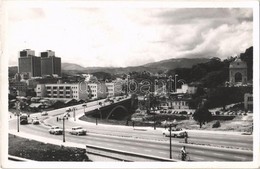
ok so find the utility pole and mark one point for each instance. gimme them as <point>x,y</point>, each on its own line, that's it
<point>74,114</point>
<point>84,106</point>
<point>63,129</point>
<point>154,127</point>
<point>170,141</point>
<point>18,119</point>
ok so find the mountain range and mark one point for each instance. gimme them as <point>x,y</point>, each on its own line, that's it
<point>164,65</point>
<point>154,67</point>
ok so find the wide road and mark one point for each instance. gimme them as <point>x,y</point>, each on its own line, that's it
<point>146,141</point>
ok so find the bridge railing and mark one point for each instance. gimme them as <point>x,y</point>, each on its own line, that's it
<point>124,155</point>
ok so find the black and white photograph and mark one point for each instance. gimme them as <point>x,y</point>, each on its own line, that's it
<point>130,84</point>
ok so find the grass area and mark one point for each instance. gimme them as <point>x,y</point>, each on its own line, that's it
<point>238,124</point>
<point>38,151</point>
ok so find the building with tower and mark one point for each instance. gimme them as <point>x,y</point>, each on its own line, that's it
<point>29,63</point>
<point>50,64</point>
<point>237,73</point>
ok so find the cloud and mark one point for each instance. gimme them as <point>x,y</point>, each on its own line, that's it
<point>129,36</point>
<point>211,15</point>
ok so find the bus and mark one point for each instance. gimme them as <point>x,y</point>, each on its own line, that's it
<point>23,119</point>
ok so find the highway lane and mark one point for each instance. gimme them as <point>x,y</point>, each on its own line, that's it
<point>226,140</point>
<point>235,141</point>
<point>96,135</point>
<point>156,148</point>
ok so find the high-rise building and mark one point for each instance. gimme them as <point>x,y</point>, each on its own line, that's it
<point>50,64</point>
<point>29,63</point>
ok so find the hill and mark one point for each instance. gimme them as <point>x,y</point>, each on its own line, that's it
<point>176,63</point>
<point>70,68</point>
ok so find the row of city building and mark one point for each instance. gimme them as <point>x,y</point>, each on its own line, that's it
<point>33,66</point>
<point>79,91</point>
<point>55,88</point>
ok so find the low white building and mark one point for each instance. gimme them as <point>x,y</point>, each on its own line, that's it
<point>98,90</point>
<point>114,88</point>
<point>72,91</point>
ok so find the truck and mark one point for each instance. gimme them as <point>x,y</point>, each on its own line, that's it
<point>23,119</point>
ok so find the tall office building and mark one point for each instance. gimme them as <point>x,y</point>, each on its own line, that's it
<point>29,63</point>
<point>50,64</point>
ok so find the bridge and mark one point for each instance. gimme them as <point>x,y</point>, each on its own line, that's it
<point>118,110</point>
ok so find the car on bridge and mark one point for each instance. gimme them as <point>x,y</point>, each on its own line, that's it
<point>55,130</point>
<point>175,132</point>
<point>78,130</point>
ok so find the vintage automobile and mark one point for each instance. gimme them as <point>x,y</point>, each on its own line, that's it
<point>55,130</point>
<point>175,132</point>
<point>44,113</point>
<point>78,130</point>
<point>35,121</point>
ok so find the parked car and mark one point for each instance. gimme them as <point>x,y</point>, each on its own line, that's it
<point>44,113</point>
<point>78,130</point>
<point>35,121</point>
<point>175,132</point>
<point>55,130</point>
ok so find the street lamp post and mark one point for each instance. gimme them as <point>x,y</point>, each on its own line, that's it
<point>18,108</point>
<point>63,129</point>
<point>74,114</point>
<point>84,106</point>
<point>18,119</point>
<point>170,141</point>
<point>154,126</point>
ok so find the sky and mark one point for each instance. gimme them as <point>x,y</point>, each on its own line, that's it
<point>121,37</point>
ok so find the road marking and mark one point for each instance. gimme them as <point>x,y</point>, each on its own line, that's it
<point>150,145</point>
<point>198,158</point>
<point>162,152</point>
<point>239,157</point>
<point>147,150</point>
<point>133,148</point>
<point>199,151</point>
<point>218,154</point>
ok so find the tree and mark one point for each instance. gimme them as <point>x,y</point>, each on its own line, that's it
<point>202,115</point>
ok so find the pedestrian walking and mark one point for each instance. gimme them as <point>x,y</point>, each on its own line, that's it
<point>186,139</point>
<point>57,119</point>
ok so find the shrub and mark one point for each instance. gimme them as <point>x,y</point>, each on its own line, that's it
<point>216,124</point>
